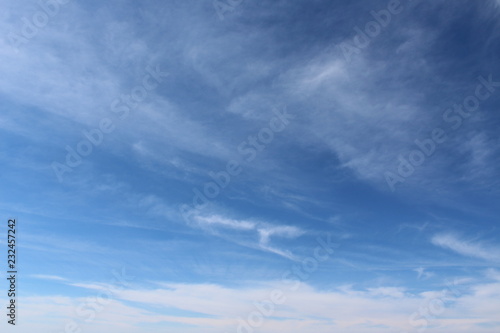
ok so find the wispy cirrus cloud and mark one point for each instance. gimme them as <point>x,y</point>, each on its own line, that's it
<point>263,231</point>
<point>352,121</point>
<point>48,277</point>
<point>468,248</point>
<point>216,220</point>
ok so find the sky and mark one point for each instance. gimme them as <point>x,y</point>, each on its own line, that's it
<point>251,166</point>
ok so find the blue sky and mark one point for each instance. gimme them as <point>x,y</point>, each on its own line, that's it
<point>170,162</point>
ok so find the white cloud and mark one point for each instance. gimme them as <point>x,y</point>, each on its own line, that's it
<point>222,226</point>
<point>216,220</point>
<point>280,231</point>
<point>214,308</point>
<point>423,274</point>
<point>366,127</point>
<point>48,277</point>
<point>467,248</point>
<point>387,292</point>
<point>493,274</point>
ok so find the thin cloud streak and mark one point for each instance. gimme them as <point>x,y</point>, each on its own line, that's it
<point>467,248</point>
